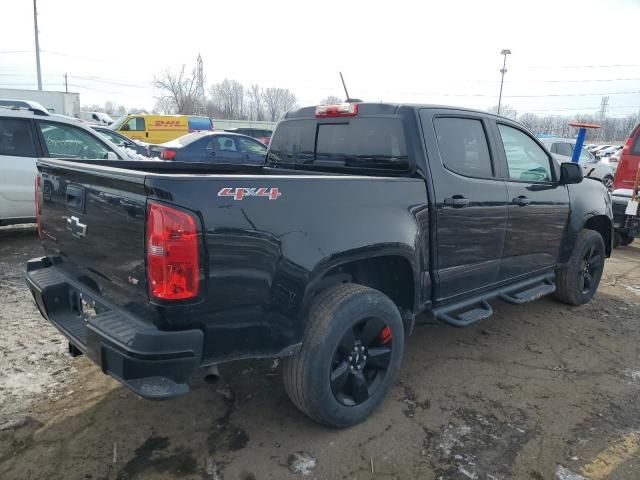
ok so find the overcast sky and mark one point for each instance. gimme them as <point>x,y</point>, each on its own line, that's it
<point>566,54</point>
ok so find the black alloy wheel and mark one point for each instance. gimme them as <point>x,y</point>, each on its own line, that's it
<point>361,361</point>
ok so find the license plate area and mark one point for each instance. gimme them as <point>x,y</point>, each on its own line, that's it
<point>83,305</point>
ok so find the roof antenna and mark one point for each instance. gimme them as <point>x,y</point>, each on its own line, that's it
<point>348,100</point>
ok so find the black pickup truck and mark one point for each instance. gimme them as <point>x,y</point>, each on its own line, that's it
<point>363,216</point>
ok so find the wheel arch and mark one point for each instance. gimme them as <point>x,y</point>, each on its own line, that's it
<point>604,226</point>
<point>391,270</point>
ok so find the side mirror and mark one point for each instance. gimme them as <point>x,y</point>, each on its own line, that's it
<point>570,173</point>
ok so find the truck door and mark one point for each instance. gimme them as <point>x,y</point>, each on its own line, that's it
<point>135,128</point>
<point>470,201</point>
<point>18,166</point>
<point>538,204</point>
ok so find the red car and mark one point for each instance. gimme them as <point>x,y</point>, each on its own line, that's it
<point>625,191</point>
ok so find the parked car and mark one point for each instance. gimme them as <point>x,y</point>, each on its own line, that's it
<point>625,187</point>
<point>158,129</point>
<point>364,216</point>
<point>263,135</point>
<point>598,148</point>
<point>607,152</point>
<point>34,107</point>
<point>98,118</point>
<point>26,135</point>
<point>212,147</point>
<point>613,160</point>
<point>562,149</point>
<point>139,147</point>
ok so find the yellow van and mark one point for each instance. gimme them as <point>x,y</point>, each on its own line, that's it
<point>159,128</point>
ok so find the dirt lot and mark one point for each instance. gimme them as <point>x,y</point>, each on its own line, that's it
<point>536,392</point>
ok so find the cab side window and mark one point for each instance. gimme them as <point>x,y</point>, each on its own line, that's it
<point>562,148</point>
<point>463,146</point>
<point>224,144</point>
<point>527,161</point>
<point>249,146</point>
<point>135,124</point>
<point>65,141</point>
<point>16,139</point>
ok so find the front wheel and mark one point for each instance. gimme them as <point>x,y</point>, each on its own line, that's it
<point>578,280</point>
<point>351,353</point>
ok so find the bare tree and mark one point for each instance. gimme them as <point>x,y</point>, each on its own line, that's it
<point>330,100</point>
<point>255,106</point>
<point>228,97</point>
<point>505,111</point>
<point>178,91</point>
<point>278,101</point>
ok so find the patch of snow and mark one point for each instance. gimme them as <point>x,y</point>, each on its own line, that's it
<point>633,289</point>
<point>301,462</point>
<point>451,437</point>
<point>466,473</point>
<point>563,473</point>
<point>633,375</point>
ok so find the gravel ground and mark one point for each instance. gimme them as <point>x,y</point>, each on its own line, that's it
<point>539,391</point>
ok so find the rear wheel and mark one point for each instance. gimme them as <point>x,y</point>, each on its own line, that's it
<point>351,352</point>
<point>625,239</point>
<point>578,280</point>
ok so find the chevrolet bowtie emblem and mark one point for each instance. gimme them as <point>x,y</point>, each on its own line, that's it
<point>76,228</point>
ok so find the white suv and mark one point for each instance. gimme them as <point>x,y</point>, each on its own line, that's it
<point>27,134</point>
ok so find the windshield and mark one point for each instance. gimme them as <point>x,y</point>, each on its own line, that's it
<point>119,122</point>
<point>344,144</point>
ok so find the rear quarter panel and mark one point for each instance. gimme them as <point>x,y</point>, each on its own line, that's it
<point>263,254</point>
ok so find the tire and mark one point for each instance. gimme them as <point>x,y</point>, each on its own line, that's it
<point>607,181</point>
<point>578,280</point>
<point>625,239</point>
<point>324,379</point>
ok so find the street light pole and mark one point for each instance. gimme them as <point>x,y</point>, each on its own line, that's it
<point>35,28</point>
<point>503,70</point>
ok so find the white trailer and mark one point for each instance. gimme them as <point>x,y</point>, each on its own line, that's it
<point>62,103</point>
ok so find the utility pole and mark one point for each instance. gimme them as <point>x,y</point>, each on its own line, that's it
<point>503,70</point>
<point>604,105</point>
<point>66,85</point>
<point>35,28</point>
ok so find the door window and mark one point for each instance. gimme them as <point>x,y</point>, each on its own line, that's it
<point>224,144</point>
<point>16,138</point>
<point>135,124</point>
<point>562,148</point>
<point>527,161</point>
<point>249,146</point>
<point>463,146</point>
<point>65,141</point>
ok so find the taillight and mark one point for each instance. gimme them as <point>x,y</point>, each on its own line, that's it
<point>340,110</point>
<point>167,154</point>
<point>37,204</point>
<point>172,253</point>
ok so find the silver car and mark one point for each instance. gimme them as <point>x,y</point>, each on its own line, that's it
<point>562,150</point>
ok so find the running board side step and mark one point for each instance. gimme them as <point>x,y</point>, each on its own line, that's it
<point>528,294</point>
<point>474,309</point>
<point>466,315</point>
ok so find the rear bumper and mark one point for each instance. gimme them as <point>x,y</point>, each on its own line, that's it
<point>621,221</point>
<point>153,363</point>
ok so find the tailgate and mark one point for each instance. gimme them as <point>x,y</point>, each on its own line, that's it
<point>93,220</point>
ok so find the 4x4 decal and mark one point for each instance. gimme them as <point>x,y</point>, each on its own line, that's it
<point>239,193</point>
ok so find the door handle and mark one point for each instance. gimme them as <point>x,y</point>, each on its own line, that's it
<point>457,201</point>
<point>521,201</point>
<point>146,134</point>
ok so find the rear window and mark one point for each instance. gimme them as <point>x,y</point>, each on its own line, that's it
<point>200,123</point>
<point>16,139</point>
<point>366,143</point>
